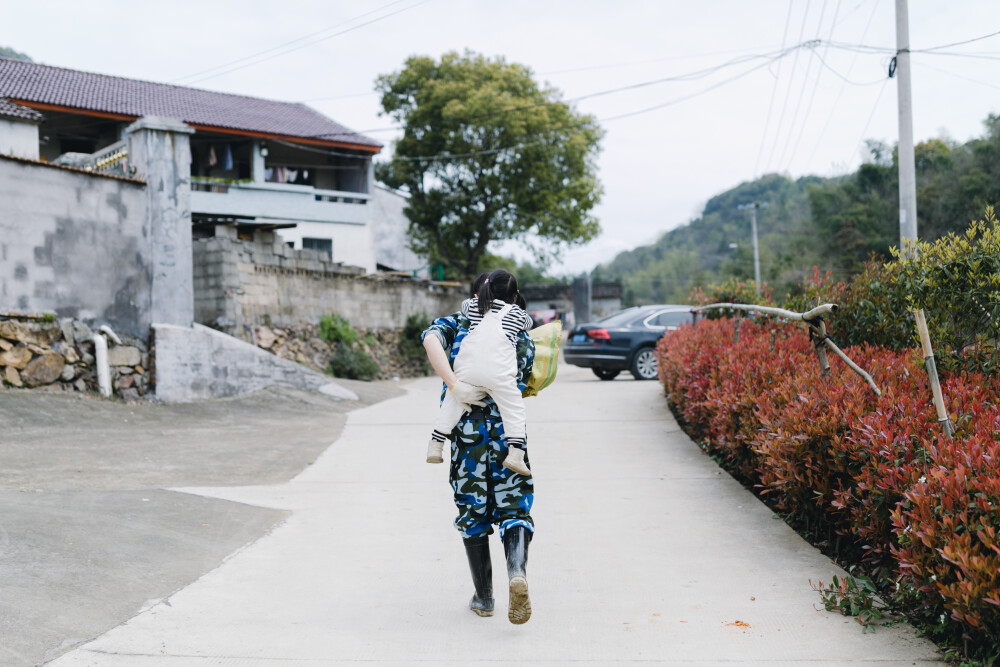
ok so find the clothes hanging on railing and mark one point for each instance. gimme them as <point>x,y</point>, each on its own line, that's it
<point>227,159</point>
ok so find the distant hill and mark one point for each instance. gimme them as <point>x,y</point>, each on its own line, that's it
<point>7,52</point>
<point>700,252</point>
<point>835,224</point>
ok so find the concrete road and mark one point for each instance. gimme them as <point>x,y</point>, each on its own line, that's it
<point>644,552</point>
<point>88,534</point>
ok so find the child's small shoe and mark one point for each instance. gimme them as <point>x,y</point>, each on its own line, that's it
<point>515,461</point>
<point>434,451</point>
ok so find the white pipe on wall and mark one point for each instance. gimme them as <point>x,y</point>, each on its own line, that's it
<point>103,370</point>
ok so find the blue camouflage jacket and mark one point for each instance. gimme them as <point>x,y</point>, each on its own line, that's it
<point>452,329</point>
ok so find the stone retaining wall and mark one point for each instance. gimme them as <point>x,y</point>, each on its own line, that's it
<point>36,351</point>
<point>242,284</point>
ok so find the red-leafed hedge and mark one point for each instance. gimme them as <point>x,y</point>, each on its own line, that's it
<point>919,509</point>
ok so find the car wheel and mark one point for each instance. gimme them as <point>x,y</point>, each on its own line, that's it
<point>644,365</point>
<point>606,373</point>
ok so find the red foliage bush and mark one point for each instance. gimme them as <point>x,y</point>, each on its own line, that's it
<point>912,504</point>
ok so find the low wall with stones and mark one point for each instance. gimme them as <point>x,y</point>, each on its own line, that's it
<point>240,284</point>
<point>38,352</point>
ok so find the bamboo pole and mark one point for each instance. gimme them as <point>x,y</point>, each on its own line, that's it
<point>932,375</point>
<point>853,366</point>
<point>817,333</point>
<point>818,336</point>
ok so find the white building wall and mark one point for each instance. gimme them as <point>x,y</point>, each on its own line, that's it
<point>18,138</point>
<point>352,244</point>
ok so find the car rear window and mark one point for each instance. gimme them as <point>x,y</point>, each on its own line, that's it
<point>670,318</point>
<point>623,318</point>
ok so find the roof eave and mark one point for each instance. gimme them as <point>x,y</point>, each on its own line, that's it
<point>367,148</point>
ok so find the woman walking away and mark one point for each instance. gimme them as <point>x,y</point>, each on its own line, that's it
<point>486,493</point>
<point>488,362</point>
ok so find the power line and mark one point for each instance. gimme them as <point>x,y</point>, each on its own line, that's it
<point>690,56</point>
<point>302,46</point>
<point>579,69</point>
<point>805,84</point>
<point>843,86</point>
<point>959,76</point>
<point>289,43</point>
<point>872,115</point>
<point>693,95</point>
<point>967,41</point>
<point>774,90</point>
<point>689,76</point>
<point>788,93</point>
<point>802,94</point>
<point>812,97</point>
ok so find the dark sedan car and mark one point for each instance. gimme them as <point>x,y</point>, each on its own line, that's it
<point>623,341</point>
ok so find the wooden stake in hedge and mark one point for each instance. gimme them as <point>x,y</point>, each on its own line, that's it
<point>932,375</point>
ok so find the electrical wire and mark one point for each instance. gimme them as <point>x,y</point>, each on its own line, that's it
<point>689,76</point>
<point>812,97</point>
<point>869,122</point>
<point>788,93</point>
<point>315,41</point>
<point>774,91</point>
<point>843,86</point>
<point>289,43</point>
<point>958,76</point>
<point>805,84</point>
<point>947,46</point>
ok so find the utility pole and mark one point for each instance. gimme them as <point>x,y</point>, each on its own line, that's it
<point>907,170</point>
<point>753,230</point>
<point>908,195</point>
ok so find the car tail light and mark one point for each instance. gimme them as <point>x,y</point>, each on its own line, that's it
<point>599,334</point>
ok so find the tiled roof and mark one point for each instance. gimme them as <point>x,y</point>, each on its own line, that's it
<point>42,84</point>
<point>10,109</point>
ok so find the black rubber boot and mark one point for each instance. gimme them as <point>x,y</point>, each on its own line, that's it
<point>515,545</point>
<point>478,551</point>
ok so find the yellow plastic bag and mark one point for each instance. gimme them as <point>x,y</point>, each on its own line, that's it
<point>543,370</point>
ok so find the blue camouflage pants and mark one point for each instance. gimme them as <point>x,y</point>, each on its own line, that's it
<point>486,493</point>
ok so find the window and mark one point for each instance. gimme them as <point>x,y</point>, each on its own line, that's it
<point>669,318</point>
<point>324,245</point>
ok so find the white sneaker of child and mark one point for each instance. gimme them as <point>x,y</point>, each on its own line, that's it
<point>434,451</point>
<point>515,461</point>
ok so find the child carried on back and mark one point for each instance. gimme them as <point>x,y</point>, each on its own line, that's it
<point>487,360</point>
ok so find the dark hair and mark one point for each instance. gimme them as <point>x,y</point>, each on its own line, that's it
<point>478,283</point>
<point>500,285</point>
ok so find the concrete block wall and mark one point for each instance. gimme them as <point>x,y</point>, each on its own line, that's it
<point>75,244</point>
<point>241,284</point>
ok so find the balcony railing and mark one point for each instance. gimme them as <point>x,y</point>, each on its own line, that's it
<point>280,201</point>
<point>111,160</point>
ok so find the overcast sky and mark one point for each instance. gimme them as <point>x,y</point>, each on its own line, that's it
<point>805,113</point>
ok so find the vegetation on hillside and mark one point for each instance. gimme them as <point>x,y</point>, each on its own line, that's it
<point>835,224</point>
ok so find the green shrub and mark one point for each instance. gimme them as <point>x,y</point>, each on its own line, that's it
<point>872,306</point>
<point>731,291</point>
<point>352,363</point>
<point>337,329</point>
<point>956,280</point>
<point>409,340</point>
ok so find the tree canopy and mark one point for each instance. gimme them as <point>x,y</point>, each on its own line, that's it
<point>488,155</point>
<point>7,52</point>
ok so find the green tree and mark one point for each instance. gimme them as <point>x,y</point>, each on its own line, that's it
<point>7,52</point>
<point>488,155</point>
